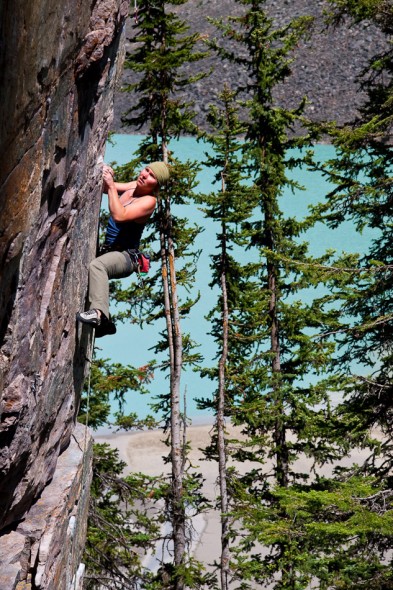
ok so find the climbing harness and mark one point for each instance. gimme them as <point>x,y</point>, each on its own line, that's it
<point>140,259</point>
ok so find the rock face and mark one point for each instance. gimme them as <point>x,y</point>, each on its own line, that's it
<point>59,64</point>
<point>45,548</point>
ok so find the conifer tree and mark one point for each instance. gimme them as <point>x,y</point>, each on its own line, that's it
<point>123,524</point>
<point>362,194</point>
<point>232,205</point>
<point>281,394</point>
<point>330,532</point>
<point>162,47</point>
<point>117,539</point>
<point>362,175</point>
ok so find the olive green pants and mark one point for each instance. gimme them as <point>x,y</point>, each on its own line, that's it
<point>112,265</point>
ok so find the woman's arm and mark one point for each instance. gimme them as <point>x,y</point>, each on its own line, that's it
<point>125,186</point>
<point>140,210</point>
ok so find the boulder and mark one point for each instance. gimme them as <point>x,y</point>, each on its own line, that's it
<point>45,549</point>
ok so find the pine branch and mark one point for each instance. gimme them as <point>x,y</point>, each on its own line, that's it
<point>358,328</point>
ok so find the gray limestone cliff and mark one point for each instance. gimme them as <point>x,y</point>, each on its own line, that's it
<point>59,66</point>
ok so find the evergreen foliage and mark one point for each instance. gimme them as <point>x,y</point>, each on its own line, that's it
<point>279,358</point>
<point>361,173</point>
<point>331,535</point>
<point>112,382</point>
<point>230,207</point>
<point>162,48</point>
<point>362,176</point>
<point>123,524</point>
<point>282,358</point>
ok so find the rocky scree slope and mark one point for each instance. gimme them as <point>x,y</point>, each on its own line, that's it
<point>325,69</point>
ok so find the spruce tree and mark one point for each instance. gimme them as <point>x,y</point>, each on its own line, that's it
<point>117,540</point>
<point>362,177</point>
<point>162,47</point>
<point>124,523</point>
<point>362,194</point>
<point>280,392</point>
<point>229,208</point>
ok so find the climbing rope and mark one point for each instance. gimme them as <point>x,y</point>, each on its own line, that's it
<point>76,579</point>
<point>90,359</point>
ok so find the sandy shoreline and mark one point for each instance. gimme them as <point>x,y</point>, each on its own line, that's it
<point>144,452</point>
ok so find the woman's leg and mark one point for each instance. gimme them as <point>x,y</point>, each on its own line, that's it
<point>113,265</point>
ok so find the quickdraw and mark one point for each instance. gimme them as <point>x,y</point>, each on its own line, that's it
<point>135,12</point>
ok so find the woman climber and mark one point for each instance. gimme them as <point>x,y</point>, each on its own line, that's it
<point>129,214</point>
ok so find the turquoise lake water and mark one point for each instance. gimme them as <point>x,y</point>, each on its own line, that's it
<point>131,344</point>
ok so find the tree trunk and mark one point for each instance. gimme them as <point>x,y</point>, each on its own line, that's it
<point>279,434</point>
<point>222,458</point>
<point>175,358</point>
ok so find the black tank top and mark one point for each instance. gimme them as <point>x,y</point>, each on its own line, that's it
<point>123,236</point>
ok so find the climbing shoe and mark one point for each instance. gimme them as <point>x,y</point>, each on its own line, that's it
<point>89,317</point>
<point>106,328</point>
